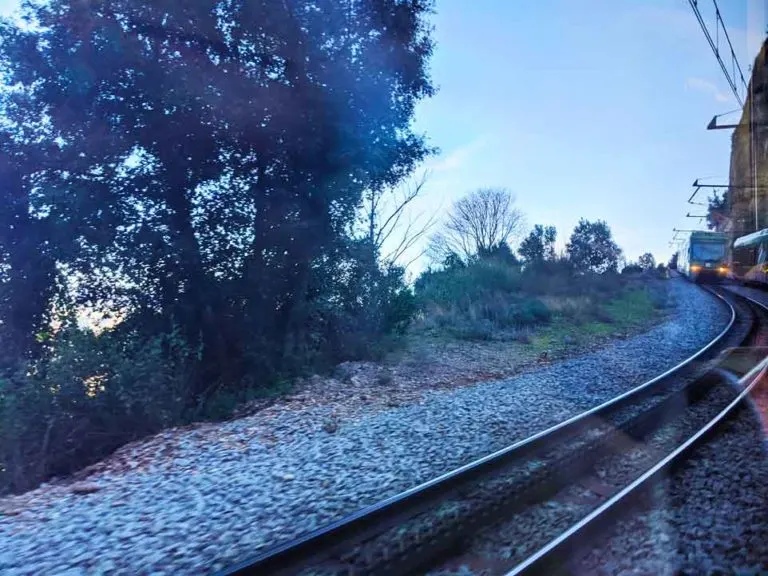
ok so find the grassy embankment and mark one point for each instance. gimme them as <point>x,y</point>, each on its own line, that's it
<point>641,305</point>
<point>549,310</point>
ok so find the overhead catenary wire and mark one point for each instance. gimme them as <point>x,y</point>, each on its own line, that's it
<point>715,45</point>
<point>734,77</point>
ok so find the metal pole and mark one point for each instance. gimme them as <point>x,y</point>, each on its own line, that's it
<point>752,158</point>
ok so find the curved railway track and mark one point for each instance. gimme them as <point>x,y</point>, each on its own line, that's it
<point>559,550</point>
<point>423,526</point>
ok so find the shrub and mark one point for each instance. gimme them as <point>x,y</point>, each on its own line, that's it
<point>602,315</point>
<point>567,306</point>
<point>482,329</point>
<point>490,299</point>
<point>479,300</point>
<point>550,277</point>
<point>363,313</point>
<point>531,312</point>
<point>660,298</point>
<point>633,269</point>
<point>87,396</point>
<point>468,283</point>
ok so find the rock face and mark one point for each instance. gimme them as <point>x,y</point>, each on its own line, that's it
<point>749,158</point>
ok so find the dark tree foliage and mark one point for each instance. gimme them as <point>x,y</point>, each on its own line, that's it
<point>632,268</point>
<point>717,211</point>
<point>673,261</point>
<point>196,166</point>
<point>453,261</point>
<point>647,261</point>
<point>500,252</point>
<point>591,247</point>
<point>27,260</point>
<point>539,245</point>
<point>212,154</point>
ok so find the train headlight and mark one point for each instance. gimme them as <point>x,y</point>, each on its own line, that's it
<point>695,267</point>
<point>723,269</point>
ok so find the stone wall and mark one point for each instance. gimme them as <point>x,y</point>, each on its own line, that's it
<point>746,154</point>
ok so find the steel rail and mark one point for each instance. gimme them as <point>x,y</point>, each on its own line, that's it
<point>378,517</point>
<point>568,541</point>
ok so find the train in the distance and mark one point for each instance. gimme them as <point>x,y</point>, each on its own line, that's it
<point>708,256</point>
<point>704,257</point>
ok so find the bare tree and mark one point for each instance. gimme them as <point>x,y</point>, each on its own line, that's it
<point>477,223</point>
<point>391,227</point>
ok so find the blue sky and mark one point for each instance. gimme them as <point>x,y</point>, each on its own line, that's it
<point>583,108</point>
<point>589,108</point>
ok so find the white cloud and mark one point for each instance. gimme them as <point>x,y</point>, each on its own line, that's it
<point>702,85</point>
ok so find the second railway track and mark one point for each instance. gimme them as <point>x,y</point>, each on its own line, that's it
<point>428,525</point>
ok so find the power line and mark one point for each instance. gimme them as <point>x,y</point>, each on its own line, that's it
<point>715,45</point>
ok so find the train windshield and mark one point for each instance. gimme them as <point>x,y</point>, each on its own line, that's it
<point>707,252</point>
<point>311,286</point>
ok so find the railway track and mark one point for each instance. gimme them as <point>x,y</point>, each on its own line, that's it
<point>427,525</point>
<point>555,555</point>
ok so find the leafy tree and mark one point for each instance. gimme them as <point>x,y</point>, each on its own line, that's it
<point>647,261</point>
<point>27,256</point>
<point>717,211</point>
<point>539,245</point>
<point>632,268</point>
<point>453,261</point>
<point>196,168</point>
<point>673,261</point>
<point>477,224</point>
<point>591,247</point>
<point>211,161</point>
<point>501,253</point>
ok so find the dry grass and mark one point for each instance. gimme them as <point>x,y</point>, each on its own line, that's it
<point>567,305</point>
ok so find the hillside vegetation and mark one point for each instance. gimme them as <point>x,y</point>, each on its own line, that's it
<point>200,206</point>
<point>495,300</point>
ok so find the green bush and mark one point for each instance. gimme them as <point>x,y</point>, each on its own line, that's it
<point>468,283</point>
<point>364,312</point>
<point>632,269</point>
<point>479,300</point>
<point>489,298</point>
<point>86,397</point>
<point>88,394</point>
<point>550,277</point>
<point>532,312</point>
<point>602,315</point>
<point>473,330</point>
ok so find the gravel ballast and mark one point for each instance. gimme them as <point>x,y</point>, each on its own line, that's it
<point>499,548</point>
<point>709,517</point>
<point>201,499</point>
